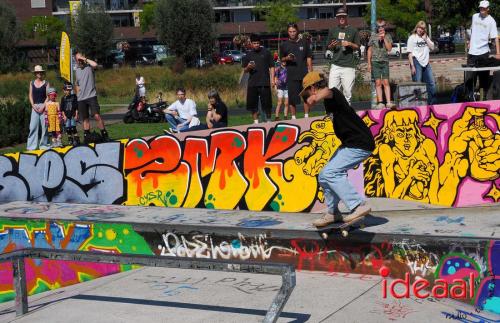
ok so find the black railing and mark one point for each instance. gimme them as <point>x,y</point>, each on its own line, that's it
<point>286,271</point>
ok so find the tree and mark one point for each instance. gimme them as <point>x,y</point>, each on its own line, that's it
<point>47,29</point>
<point>9,36</point>
<point>452,14</point>
<point>147,16</point>
<point>402,14</point>
<point>186,27</point>
<point>278,14</point>
<point>93,32</point>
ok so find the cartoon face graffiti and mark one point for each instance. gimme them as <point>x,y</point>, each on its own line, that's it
<point>405,139</point>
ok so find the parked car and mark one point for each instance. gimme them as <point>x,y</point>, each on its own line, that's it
<point>398,48</point>
<point>445,45</point>
<point>225,59</point>
<point>235,54</point>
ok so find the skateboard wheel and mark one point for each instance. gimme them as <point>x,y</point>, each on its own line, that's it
<point>345,233</point>
<point>324,235</point>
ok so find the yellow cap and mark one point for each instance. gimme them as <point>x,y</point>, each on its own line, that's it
<point>311,78</point>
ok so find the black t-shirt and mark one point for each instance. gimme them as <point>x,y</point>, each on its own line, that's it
<point>69,105</point>
<point>221,110</point>
<point>263,59</point>
<point>296,69</point>
<point>348,126</point>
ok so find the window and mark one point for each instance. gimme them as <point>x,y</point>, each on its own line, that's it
<point>35,4</point>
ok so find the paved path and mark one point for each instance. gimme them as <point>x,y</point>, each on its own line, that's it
<point>184,296</point>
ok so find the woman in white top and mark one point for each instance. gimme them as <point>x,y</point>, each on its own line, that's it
<point>139,84</point>
<point>419,46</point>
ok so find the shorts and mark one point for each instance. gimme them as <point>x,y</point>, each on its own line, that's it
<point>88,104</point>
<point>70,123</point>
<point>380,70</point>
<point>294,89</point>
<point>253,95</point>
<point>283,94</point>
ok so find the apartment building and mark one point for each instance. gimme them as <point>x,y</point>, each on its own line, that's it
<point>232,17</point>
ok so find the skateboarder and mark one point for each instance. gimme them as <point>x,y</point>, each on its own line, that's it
<point>357,145</point>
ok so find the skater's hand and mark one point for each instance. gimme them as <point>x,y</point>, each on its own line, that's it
<point>312,100</point>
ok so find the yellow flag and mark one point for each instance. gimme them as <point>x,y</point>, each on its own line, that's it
<point>65,57</point>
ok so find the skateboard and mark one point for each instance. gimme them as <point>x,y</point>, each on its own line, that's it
<point>343,227</point>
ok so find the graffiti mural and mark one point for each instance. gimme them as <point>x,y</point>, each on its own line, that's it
<point>43,275</point>
<point>444,154</point>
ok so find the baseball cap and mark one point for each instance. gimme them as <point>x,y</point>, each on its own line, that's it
<point>484,4</point>
<point>341,12</point>
<point>311,78</point>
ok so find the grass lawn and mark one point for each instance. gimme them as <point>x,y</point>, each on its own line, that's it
<point>135,130</point>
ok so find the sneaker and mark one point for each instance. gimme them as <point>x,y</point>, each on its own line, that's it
<point>276,118</point>
<point>170,131</point>
<point>360,211</point>
<point>327,219</point>
<point>380,106</point>
<point>391,106</point>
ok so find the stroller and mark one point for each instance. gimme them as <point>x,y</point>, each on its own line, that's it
<point>142,112</point>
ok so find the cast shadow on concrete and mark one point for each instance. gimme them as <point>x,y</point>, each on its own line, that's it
<point>298,317</point>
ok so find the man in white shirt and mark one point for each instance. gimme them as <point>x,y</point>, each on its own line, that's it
<point>180,113</point>
<point>483,29</point>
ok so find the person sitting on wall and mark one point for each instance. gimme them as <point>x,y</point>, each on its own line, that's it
<point>216,113</point>
<point>180,114</point>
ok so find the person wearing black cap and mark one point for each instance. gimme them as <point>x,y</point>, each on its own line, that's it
<point>69,107</point>
<point>343,40</point>
<point>260,65</point>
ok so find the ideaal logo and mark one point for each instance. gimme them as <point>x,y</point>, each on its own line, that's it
<point>460,288</point>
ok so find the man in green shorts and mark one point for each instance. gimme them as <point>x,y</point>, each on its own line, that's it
<point>379,45</point>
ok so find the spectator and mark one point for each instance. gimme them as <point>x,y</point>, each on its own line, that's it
<point>139,85</point>
<point>343,42</point>
<point>259,64</point>
<point>419,46</point>
<point>281,84</point>
<point>87,96</point>
<point>38,97</point>
<point>217,111</point>
<point>180,114</point>
<point>378,64</point>
<point>483,28</point>
<point>297,55</point>
<point>53,116</point>
<point>69,107</point>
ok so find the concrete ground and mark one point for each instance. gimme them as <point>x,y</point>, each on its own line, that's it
<point>174,295</point>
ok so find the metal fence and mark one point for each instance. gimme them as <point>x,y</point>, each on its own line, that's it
<point>286,271</point>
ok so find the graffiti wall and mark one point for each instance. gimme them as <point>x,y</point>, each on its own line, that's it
<point>455,259</point>
<point>43,275</point>
<point>445,154</point>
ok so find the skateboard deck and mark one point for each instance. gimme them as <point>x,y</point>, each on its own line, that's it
<point>342,227</point>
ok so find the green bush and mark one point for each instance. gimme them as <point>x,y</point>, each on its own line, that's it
<point>14,122</point>
<point>216,77</point>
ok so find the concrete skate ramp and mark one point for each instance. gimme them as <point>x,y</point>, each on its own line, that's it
<point>406,237</point>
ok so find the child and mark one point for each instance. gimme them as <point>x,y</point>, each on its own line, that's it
<point>69,107</point>
<point>280,81</point>
<point>52,118</point>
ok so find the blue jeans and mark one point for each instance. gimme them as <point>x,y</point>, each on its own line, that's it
<point>333,178</point>
<point>424,74</point>
<point>174,121</point>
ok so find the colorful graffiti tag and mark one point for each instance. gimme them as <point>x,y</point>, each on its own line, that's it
<point>43,275</point>
<point>445,154</point>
